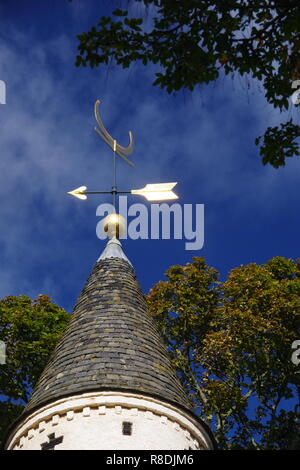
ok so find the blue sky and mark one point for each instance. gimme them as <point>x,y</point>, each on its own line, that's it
<point>204,140</point>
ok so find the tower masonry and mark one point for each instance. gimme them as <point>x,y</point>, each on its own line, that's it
<point>110,383</point>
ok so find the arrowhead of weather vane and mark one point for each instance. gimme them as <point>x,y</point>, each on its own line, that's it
<point>79,192</point>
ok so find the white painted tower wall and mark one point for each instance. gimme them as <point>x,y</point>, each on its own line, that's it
<point>94,421</point>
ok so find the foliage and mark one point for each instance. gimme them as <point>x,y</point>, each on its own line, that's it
<point>30,329</point>
<point>231,345</point>
<point>279,143</point>
<point>193,41</point>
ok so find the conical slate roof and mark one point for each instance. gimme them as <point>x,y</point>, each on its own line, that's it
<point>111,342</point>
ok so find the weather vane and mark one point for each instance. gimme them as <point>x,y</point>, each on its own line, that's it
<point>152,192</point>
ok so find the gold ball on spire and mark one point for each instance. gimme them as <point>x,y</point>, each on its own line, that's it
<point>114,225</point>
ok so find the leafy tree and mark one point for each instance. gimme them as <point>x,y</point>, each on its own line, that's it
<point>194,41</point>
<point>30,329</point>
<point>231,345</point>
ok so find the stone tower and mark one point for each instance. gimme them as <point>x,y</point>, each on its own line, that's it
<point>109,383</point>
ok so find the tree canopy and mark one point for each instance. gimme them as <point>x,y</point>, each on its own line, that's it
<point>231,345</point>
<point>196,41</point>
<point>230,342</point>
<point>30,329</point>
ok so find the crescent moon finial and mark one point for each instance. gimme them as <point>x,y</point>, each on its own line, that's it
<point>108,139</point>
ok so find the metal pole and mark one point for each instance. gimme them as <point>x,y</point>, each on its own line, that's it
<point>114,188</point>
<point>106,192</point>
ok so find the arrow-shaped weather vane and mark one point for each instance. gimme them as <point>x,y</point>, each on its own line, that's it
<point>152,192</point>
